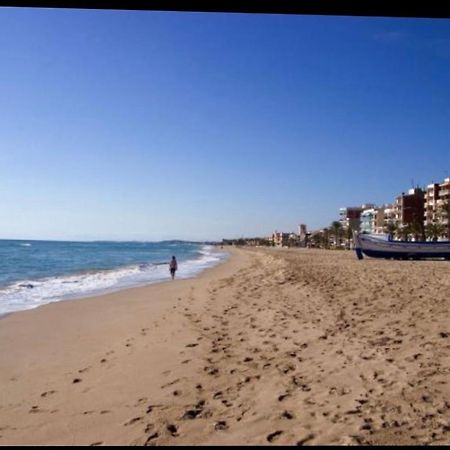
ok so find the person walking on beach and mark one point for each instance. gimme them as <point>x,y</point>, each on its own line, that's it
<point>173,266</point>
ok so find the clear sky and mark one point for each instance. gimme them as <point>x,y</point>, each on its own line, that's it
<point>142,125</point>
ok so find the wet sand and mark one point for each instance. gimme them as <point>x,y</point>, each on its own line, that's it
<point>274,346</point>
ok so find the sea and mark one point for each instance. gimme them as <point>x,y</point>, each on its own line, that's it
<point>34,273</point>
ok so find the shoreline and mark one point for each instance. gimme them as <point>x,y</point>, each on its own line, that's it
<point>303,347</point>
<point>105,338</point>
<point>224,255</point>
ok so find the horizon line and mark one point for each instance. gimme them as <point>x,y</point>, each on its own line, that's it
<point>111,240</point>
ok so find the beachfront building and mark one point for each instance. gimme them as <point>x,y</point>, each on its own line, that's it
<point>436,208</point>
<point>280,239</point>
<point>431,200</point>
<point>350,220</point>
<point>302,231</point>
<point>377,219</point>
<point>409,214</point>
<point>443,201</point>
<point>386,218</point>
<point>368,220</point>
<point>303,235</point>
<point>409,208</point>
<point>389,212</point>
<point>350,217</point>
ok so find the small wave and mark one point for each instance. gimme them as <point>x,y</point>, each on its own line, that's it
<point>28,294</point>
<point>209,258</point>
<point>25,245</point>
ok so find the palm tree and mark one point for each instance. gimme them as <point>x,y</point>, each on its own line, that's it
<point>336,228</point>
<point>391,228</point>
<point>404,232</point>
<point>326,238</point>
<point>317,239</point>
<point>417,229</point>
<point>349,235</point>
<point>434,230</point>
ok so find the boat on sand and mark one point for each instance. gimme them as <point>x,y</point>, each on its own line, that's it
<point>383,246</point>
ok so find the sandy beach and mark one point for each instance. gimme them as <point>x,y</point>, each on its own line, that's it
<point>273,346</point>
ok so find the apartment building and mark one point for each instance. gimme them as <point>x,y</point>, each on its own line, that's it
<point>351,215</point>
<point>431,200</point>
<point>280,239</point>
<point>376,219</point>
<point>418,206</point>
<point>368,220</point>
<point>386,216</point>
<point>409,208</point>
<point>302,231</point>
<point>444,197</point>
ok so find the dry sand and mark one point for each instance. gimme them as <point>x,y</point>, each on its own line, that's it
<point>274,346</point>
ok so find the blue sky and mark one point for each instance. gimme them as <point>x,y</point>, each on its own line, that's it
<point>157,125</point>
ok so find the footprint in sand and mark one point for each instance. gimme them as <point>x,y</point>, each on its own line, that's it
<point>283,396</point>
<point>211,370</point>
<point>170,383</point>
<point>149,440</point>
<point>287,415</point>
<point>46,394</point>
<point>306,439</point>
<point>150,408</point>
<point>274,436</point>
<point>192,413</point>
<point>172,429</point>
<point>221,425</point>
<point>141,401</point>
<point>131,421</point>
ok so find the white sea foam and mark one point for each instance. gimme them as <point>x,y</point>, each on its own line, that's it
<point>28,294</point>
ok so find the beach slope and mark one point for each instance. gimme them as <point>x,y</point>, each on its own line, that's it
<point>271,347</point>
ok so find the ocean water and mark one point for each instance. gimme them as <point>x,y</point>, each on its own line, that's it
<point>33,273</point>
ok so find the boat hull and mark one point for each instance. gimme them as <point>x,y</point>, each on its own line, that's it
<point>405,255</point>
<point>377,247</point>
